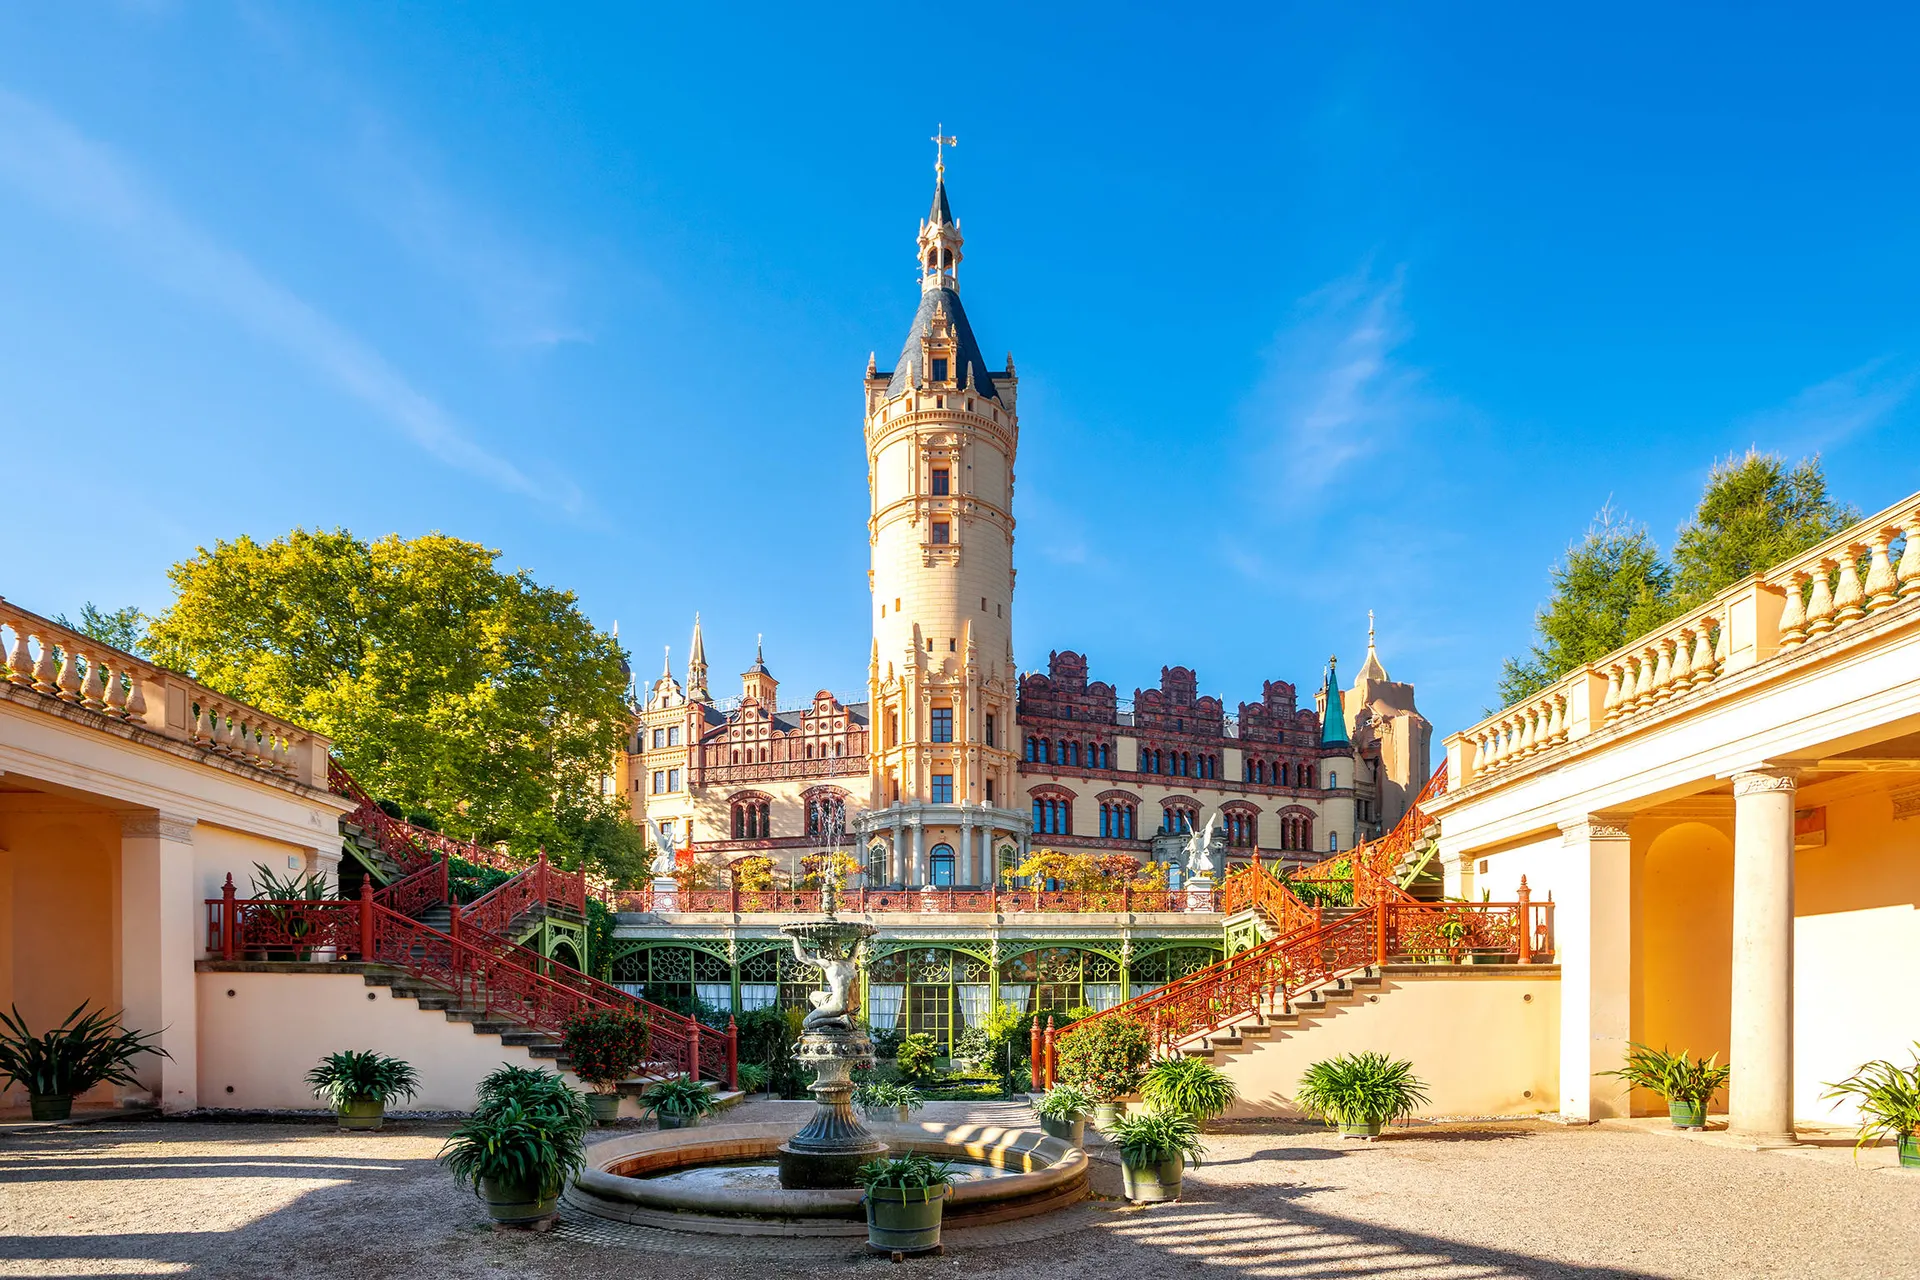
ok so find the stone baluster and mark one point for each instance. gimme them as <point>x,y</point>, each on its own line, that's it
<point>1880,579</point>
<point>1681,680</point>
<point>1703,659</point>
<point>1793,618</point>
<point>1557,727</point>
<point>136,699</point>
<point>20,660</point>
<point>1643,685</point>
<point>1529,734</point>
<point>1849,600</point>
<point>93,693</point>
<point>46,675</point>
<point>115,701</point>
<point>1610,701</point>
<point>1663,671</point>
<point>1909,571</point>
<point>1820,604</point>
<point>69,682</point>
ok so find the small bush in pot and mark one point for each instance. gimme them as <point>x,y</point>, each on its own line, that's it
<point>905,1198</point>
<point>1107,1059</point>
<point>359,1084</point>
<point>679,1103</point>
<point>71,1058</point>
<point>1155,1146</point>
<point>1360,1092</point>
<point>516,1159</point>
<point>1063,1113</point>
<point>1889,1101</point>
<point>605,1047</point>
<point>1192,1086</point>
<point>888,1100</point>
<point>1688,1084</point>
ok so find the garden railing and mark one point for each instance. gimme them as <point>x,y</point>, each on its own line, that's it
<point>888,900</point>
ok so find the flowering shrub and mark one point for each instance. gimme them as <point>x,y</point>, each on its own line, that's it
<point>753,873</point>
<point>1107,1059</point>
<point>606,1045</point>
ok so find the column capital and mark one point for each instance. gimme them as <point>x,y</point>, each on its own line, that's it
<point>174,827</point>
<point>1749,782</point>
<point>1593,826</point>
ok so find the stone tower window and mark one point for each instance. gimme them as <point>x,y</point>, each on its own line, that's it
<point>942,532</point>
<point>940,482</point>
<point>939,369</point>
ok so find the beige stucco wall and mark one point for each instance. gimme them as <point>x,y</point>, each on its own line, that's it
<point>257,1044</point>
<point>1486,1042</point>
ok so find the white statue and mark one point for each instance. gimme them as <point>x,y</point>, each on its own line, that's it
<point>832,1006</point>
<point>663,845</point>
<point>1200,851</point>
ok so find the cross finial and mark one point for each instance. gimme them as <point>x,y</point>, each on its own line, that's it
<point>1369,628</point>
<point>940,143</point>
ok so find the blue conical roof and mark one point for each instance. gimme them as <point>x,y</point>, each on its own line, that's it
<point>1333,720</point>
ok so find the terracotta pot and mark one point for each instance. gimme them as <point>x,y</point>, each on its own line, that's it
<point>905,1219</point>
<point>1151,1183</point>
<point>362,1113</point>
<point>605,1107</point>
<point>512,1203</point>
<point>1072,1130</point>
<point>50,1106</point>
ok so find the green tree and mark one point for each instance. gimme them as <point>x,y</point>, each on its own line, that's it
<point>1755,513</point>
<point>1611,587</point>
<point>481,697</point>
<point>125,629</point>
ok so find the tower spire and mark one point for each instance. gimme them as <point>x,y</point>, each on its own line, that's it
<point>1333,715</point>
<point>697,666</point>
<point>940,235</point>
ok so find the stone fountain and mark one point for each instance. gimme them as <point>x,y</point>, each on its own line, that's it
<point>825,1153</point>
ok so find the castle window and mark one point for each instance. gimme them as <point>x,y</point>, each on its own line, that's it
<point>1033,749</point>
<point>989,790</point>
<point>940,865</point>
<point>659,738</point>
<point>673,779</point>
<point>941,531</point>
<point>943,724</point>
<point>673,735</point>
<point>940,482</point>
<point>939,369</point>
<point>893,728</point>
<point>659,781</point>
<point>989,728</point>
<point>750,820</point>
<point>1333,842</point>
<point>953,645</point>
<point>1116,820</point>
<point>1333,780</point>
<point>943,788</point>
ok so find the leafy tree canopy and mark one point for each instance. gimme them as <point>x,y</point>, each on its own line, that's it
<point>481,697</point>
<point>1614,584</point>
<point>125,629</point>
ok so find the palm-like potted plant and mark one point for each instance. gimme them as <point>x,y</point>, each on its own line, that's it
<point>308,886</point>
<point>1889,1100</point>
<point>1190,1085</point>
<point>1361,1092</point>
<point>1063,1113</point>
<point>517,1159</point>
<point>1155,1146</point>
<point>679,1103</point>
<point>71,1058</point>
<point>905,1198</point>
<point>1688,1084</point>
<point>535,1089</point>
<point>360,1083</point>
<point>605,1046</point>
<point>888,1100</point>
<point>1106,1059</point>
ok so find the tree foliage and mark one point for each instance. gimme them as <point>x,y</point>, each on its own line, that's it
<point>1614,584</point>
<point>124,628</point>
<point>481,697</point>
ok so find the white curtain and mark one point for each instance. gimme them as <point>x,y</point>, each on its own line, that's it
<point>758,995</point>
<point>1016,993</point>
<point>633,988</point>
<point>1103,995</point>
<point>1141,988</point>
<point>974,997</point>
<point>715,995</point>
<point>884,1006</point>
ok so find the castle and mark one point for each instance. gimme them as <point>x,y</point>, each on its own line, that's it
<point>955,764</point>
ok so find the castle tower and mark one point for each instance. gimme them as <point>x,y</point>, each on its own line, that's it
<point>697,667</point>
<point>757,683</point>
<point>941,432</point>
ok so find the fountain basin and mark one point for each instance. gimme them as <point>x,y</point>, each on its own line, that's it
<point>622,1180</point>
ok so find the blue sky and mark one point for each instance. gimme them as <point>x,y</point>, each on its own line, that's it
<point>1316,308</point>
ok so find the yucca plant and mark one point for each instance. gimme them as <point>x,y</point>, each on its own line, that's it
<point>1889,1101</point>
<point>516,1158</point>
<point>307,886</point>
<point>1191,1086</point>
<point>1687,1084</point>
<point>362,1075</point>
<point>71,1058</point>
<point>1360,1092</point>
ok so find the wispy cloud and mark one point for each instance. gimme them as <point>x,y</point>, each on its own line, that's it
<point>1829,413</point>
<point>52,162</point>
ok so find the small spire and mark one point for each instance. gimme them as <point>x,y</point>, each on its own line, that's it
<point>759,649</point>
<point>666,662</point>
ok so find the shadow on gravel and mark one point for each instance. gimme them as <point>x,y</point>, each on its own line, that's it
<point>1282,1153</point>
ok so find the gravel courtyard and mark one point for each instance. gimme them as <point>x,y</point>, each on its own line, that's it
<point>201,1198</point>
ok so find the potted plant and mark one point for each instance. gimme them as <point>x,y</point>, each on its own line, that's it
<point>604,1047</point>
<point>679,1103</point>
<point>905,1197</point>
<point>1155,1146</point>
<point>535,1089</point>
<point>917,1058</point>
<point>71,1058</point>
<point>1063,1113</point>
<point>308,886</point>
<point>1360,1092</point>
<point>1106,1059</point>
<point>1192,1086</point>
<point>753,1078</point>
<point>1889,1106</point>
<point>517,1159</point>
<point>1687,1084</point>
<point>359,1083</point>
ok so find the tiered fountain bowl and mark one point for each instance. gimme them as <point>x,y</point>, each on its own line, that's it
<point>834,1143</point>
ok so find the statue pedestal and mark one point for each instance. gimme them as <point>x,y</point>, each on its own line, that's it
<point>666,893</point>
<point>834,1144</point>
<point>1200,893</point>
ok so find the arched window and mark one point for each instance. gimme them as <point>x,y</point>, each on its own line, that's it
<point>876,863</point>
<point>940,865</point>
<point>1033,748</point>
<point>1333,779</point>
<point>1333,842</point>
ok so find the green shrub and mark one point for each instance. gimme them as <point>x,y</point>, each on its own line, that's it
<point>972,1044</point>
<point>916,1058</point>
<point>533,1089</point>
<point>532,1148</point>
<point>74,1056</point>
<point>1361,1088</point>
<point>1064,1102</point>
<point>753,1077</point>
<point>1106,1058</point>
<point>605,1045</point>
<point>687,1099</point>
<point>886,1093</point>
<point>1152,1137</point>
<point>1889,1100</point>
<point>362,1075</point>
<point>886,1041</point>
<point>1674,1076</point>
<point>1190,1086</point>
<point>765,1039</point>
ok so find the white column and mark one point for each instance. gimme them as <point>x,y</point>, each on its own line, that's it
<point>896,853</point>
<point>963,856</point>
<point>1593,923</point>
<point>917,868</point>
<point>162,934</point>
<point>1760,1049</point>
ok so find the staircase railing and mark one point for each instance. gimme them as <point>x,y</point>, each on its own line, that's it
<point>540,885</point>
<point>1254,888</point>
<point>481,969</point>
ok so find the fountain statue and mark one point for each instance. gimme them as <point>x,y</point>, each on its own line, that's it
<point>834,1143</point>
